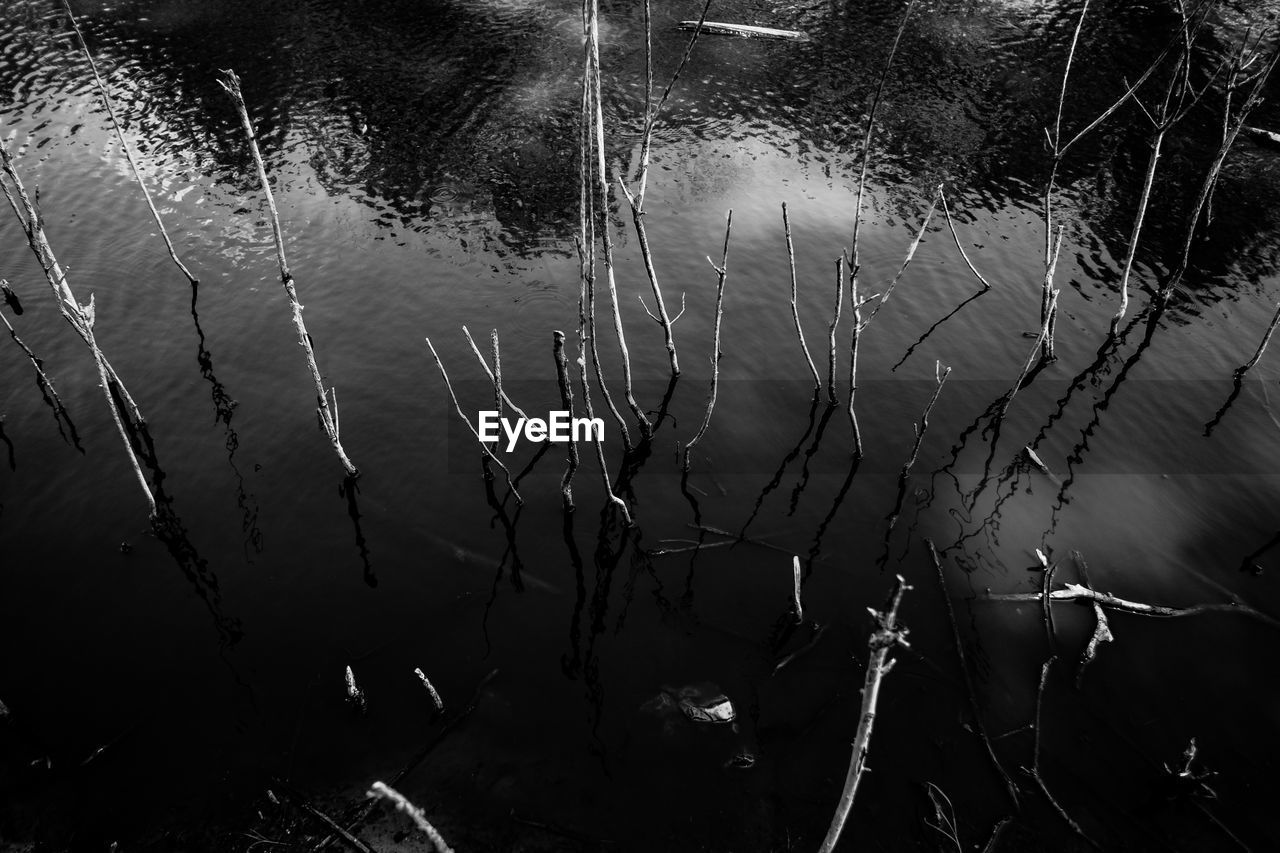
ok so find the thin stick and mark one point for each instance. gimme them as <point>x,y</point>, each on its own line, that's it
<point>853,361</point>
<point>940,377</point>
<point>380,790</point>
<point>795,311</point>
<point>1101,627</point>
<point>1266,339</point>
<point>231,84</point>
<point>831,331</point>
<point>981,728</point>
<point>911,251</point>
<point>795,588</point>
<point>1078,592</point>
<point>721,272</point>
<point>1035,760</point>
<point>81,317</point>
<point>566,400</point>
<point>470,426</point>
<point>986,285</point>
<point>871,121</point>
<point>886,635</point>
<point>43,379</point>
<point>1036,349</point>
<point>602,185</point>
<point>1056,150</point>
<point>128,153</point>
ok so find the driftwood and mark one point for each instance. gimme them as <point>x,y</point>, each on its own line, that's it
<point>326,411</point>
<point>887,635</point>
<point>715,28</point>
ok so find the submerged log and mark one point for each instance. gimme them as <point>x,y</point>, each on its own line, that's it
<point>743,30</point>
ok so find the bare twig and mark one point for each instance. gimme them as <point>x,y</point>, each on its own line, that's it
<point>80,317</point>
<point>721,272</point>
<point>1078,592</point>
<point>380,790</point>
<point>911,252</point>
<point>328,421</point>
<point>795,311</point>
<point>42,379</point>
<point>1035,760</point>
<point>1037,349</point>
<point>566,400</point>
<point>1101,627</point>
<point>853,361</point>
<point>487,452</point>
<point>128,153</point>
<point>1266,339</point>
<point>886,635</point>
<point>488,372</point>
<point>795,587</point>
<point>942,196</point>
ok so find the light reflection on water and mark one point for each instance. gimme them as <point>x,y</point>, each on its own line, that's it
<point>423,162</point>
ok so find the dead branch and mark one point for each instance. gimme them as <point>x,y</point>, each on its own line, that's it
<point>795,311</point>
<point>886,636</point>
<point>1078,592</point>
<point>487,372</point>
<point>80,317</point>
<point>835,321</point>
<point>853,361</point>
<point>380,790</point>
<point>795,587</point>
<point>1035,760</point>
<point>911,252</point>
<point>1266,339</point>
<point>1101,627</point>
<point>484,447</point>
<point>1036,349</point>
<point>42,379</point>
<point>128,153</point>
<point>721,272</point>
<point>327,415</point>
<point>566,400</point>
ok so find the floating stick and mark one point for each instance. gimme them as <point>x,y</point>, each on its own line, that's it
<point>721,271</point>
<point>795,311</point>
<point>1079,592</point>
<point>886,635</point>
<point>328,417</point>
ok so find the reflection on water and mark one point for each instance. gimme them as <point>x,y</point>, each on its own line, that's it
<point>424,157</point>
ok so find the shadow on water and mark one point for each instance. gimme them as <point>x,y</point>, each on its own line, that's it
<point>790,456</point>
<point>10,453</point>
<point>224,407</point>
<point>349,489</point>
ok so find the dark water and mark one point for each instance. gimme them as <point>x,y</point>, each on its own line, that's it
<point>424,162</point>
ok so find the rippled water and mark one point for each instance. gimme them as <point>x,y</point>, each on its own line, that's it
<point>424,161</point>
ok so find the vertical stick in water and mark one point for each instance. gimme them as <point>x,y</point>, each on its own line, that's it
<point>795,588</point>
<point>853,362</point>
<point>328,421</point>
<point>1266,339</point>
<point>128,154</point>
<point>566,400</point>
<point>721,271</point>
